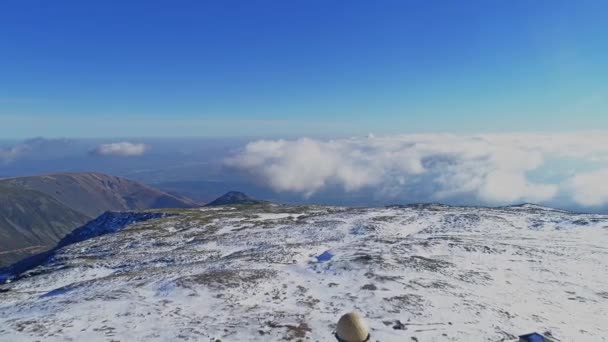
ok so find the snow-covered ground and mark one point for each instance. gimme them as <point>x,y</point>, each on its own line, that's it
<point>270,273</point>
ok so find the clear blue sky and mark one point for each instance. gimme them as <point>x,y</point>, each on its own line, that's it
<point>254,68</point>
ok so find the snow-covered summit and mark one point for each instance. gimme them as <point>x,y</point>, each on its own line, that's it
<point>268,273</point>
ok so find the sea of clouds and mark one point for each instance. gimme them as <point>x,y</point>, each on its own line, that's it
<point>568,170</point>
<point>494,168</point>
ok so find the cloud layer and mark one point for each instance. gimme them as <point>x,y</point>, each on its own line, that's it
<point>494,168</point>
<point>122,149</point>
<point>8,154</point>
<point>36,148</point>
<point>590,188</point>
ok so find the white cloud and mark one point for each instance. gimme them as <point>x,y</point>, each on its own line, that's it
<point>35,148</point>
<point>9,154</point>
<point>590,188</point>
<point>123,149</point>
<point>493,168</point>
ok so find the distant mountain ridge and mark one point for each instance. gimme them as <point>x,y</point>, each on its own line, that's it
<point>234,197</point>
<point>37,211</point>
<point>93,193</point>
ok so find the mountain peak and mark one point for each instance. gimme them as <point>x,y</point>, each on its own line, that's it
<point>234,197</point>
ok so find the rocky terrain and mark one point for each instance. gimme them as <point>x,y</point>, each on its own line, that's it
<point>270,273</point>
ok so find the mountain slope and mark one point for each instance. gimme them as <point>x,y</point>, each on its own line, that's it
<point>94,193</point>
<point>36,212</point>
<point>270,273</point>
<point>31,222</point>
<point>108,222</point>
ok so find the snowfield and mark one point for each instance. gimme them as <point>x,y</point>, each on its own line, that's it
<point>271,273</point>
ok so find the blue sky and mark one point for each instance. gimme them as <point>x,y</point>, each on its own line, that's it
<point>293,68</point>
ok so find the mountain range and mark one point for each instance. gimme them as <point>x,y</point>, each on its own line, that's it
<point>37,211</point>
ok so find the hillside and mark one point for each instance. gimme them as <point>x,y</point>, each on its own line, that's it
<point>36,212</point>
<point>269,272</point>
<point>94,193</point>
<point>31,222</point>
